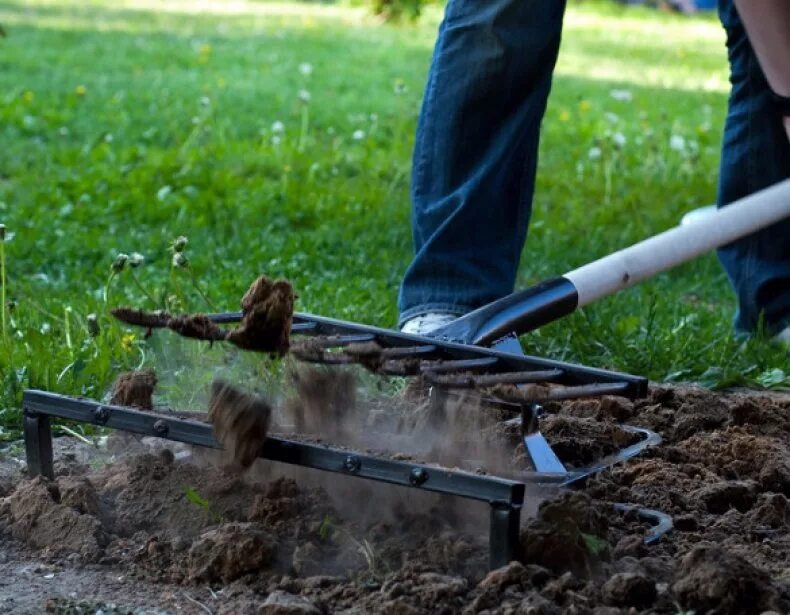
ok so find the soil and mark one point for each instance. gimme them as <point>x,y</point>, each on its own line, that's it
<point>267,312</point>
<point>134,389</point>
<point>240,421</point>
<point>163,528</point>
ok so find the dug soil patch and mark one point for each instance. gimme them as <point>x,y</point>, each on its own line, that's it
<point>166,531</point>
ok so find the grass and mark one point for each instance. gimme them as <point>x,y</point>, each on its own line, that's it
<point>277,138</point>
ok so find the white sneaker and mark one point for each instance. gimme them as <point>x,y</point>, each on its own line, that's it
<point>425,323</point>
<point>697,214</point>
<point>783,337</point>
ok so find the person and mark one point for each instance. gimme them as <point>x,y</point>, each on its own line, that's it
<point>476,148</point>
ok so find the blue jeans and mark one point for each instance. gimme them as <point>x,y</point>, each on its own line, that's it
<point>755,154</point>
<point>475,156</point>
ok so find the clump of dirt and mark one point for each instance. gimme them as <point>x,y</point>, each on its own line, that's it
<point>713,580</point>
<point>240,420</point>
<point>195,326</point>
<point>135,389</point>
<point>228,552</point>
<point>570,533</point>
<point>267,313</point>
<point>324,402</point>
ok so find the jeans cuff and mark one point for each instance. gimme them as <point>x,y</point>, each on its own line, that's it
<point>432,308</point>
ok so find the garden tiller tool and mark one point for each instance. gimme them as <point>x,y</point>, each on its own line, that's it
<point>478,351</point>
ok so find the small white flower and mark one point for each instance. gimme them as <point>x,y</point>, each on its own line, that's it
<point>621,95</point>
<point>358,135</point>
<point>306,69</point>
<point>276,140</point>
<point>45,328</point>
<point>619,139</point>
<point>374,117</point>
<point>205,101</point>
<point>611,117</point>
<point>278,127</point>
<point>594,153</point>
<point>136,259</point>
<point>677,143</point>
<point>179,260</point>
<point>163,192</point>
<point>304,96</point>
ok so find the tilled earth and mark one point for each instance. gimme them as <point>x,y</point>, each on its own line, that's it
<point>134,527</point>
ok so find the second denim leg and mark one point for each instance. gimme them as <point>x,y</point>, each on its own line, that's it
<point>755,155</point>
<point>475,154</point>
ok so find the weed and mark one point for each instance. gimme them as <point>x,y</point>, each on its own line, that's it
<point>193,496</point>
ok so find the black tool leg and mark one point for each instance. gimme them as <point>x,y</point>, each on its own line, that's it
<point>38,445</point>
<point>504,544</point>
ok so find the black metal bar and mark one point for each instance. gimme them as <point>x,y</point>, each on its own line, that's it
<point>504,543</point>
<point>468,382</point>
<point>572,374</point>
<point>38,444</point>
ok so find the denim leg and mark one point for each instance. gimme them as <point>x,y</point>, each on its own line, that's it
<point>755,154</point>
<point>473,169</point>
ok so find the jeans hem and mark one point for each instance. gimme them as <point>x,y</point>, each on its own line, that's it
<point>434,308</point>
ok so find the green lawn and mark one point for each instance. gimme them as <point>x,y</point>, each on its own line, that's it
<point>126,123</point>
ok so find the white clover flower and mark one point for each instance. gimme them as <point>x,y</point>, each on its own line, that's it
<point>205,101</point>
<point>677,143</point>
<point>179,243</point>
<point>45,328</point>
<point>304,96</point>
<point>622,95</point>
<point>611,117</point>
<point>306,69</point>
<point>594,153</point>
<point>119,263</point>
<point>179,260</point>
<point>136,259</point>
<point>276,140</point>
<point>619,139</point>
<point>358,135</point>
<point>278,127</point>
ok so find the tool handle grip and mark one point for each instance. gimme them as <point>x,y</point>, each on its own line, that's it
<point>647,258</point>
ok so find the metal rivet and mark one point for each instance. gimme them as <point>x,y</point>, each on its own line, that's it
<point>352,464</point>
<point>536,409</point>
<point>418,476</point>
<point>161,428</point>
<point>101,415</point>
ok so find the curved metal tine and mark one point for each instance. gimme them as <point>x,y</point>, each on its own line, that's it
<point>303,327</point>
<point>662,522</point>
<point>468,381</point>
<point>338,341</point>
<point>443,367</point>
<point>651,438</point>
<point>544,393</point>
<point>404,352</point>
